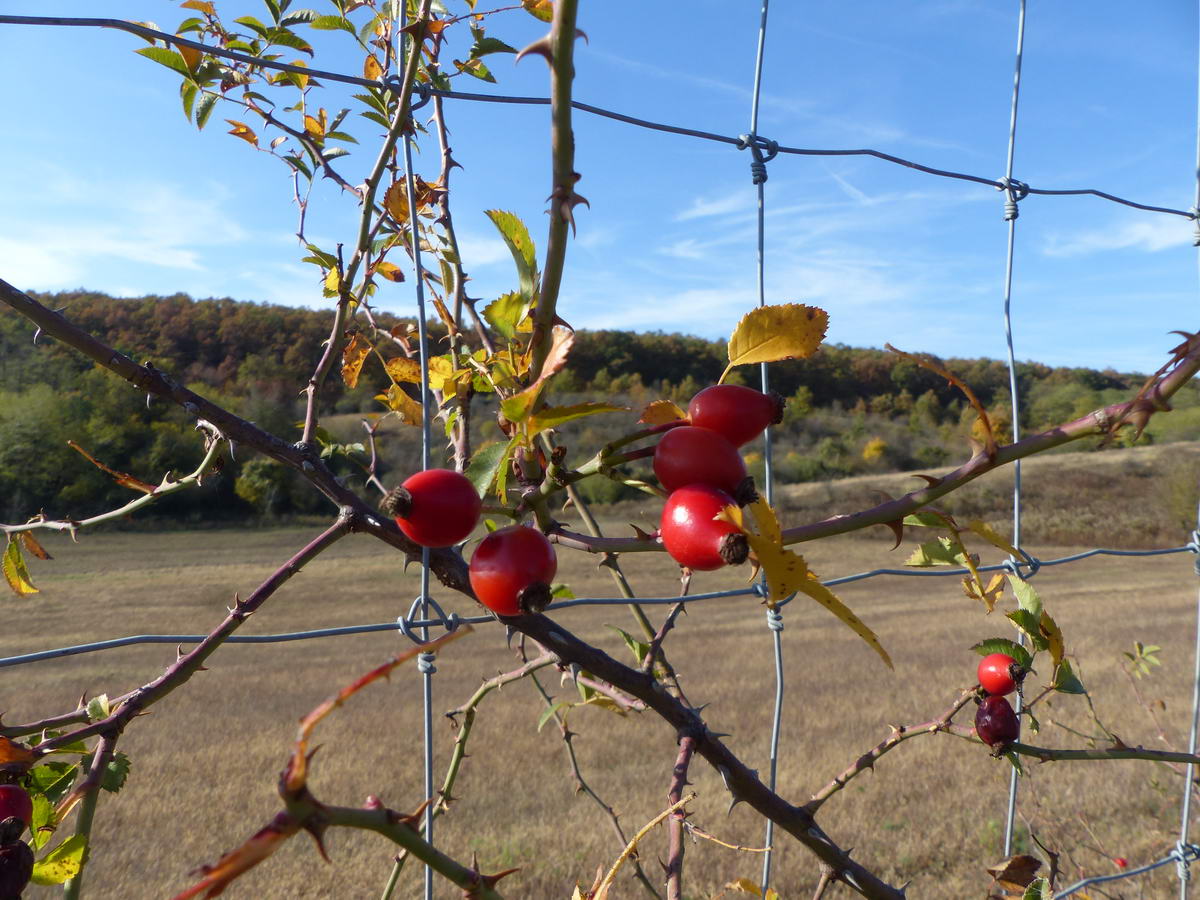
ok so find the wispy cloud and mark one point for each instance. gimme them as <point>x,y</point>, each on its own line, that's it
<point>1149,236</point>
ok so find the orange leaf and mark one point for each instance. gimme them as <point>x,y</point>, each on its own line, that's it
<point>33,546</point>
<point>354,354</point>
<point>315,127</point>
<point>390,271</point>
<point>203,6</point>
<point>190,55</point>
<point>372,70</point>
<point>660,412</point>
<point>266,841</point>
<point>401,368</point>
<point>120,478</point>
<point>243,131</point>
<point>13,753</point>
<point>395,201</point>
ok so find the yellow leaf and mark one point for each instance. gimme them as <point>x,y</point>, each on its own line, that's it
<point>15,572</point>
<point>401,368</point>
<point>408,409</point>
<point>989,534</point>
<point>332,283</point>
<point>517,408</point>
<point>772,333</point>
<point>354,354</point>
<point>441,374</point>
<point>242,130</point>
<point>315,127</point>
<point>395,201</point>
<point>203,6</point>
<point>372,70</point>
<point>390,271</point>
<point>539,9</point>
<point>744,886</point>
<point>190,55</point>
<point>660,412</point>
<point>577,894</point>
<point>1054,638</point>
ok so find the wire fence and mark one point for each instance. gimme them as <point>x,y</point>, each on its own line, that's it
<point>425,615</point>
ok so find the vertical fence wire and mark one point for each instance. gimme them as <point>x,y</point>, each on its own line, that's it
<point>425,661</point>
<point>1010,214</point>
<point>774,617</point>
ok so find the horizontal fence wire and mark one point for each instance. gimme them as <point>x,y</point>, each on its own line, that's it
<point>453,620</point>
<point>1182,855</point>
<point>426,92</point>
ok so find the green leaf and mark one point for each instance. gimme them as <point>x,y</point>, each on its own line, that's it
<point>115,773</point>
<point>41,829</point>
<point>1039,890</point>
<point>98,708</point>
<point>204,108</point>
<point>505,312</point>
<point>285,38</point>
<point>553,416</point>
<point>560,591</point>
<point>254,25</point>
<point>169,58</point>
<point>1004,645</point>
<point>53,779</point>
<point>486,463</point>
<point>639,648</point>
<point>1031,625</point>
<point>1015,762</point>
<point>63,862</point>
<point>15,572</point>
<point>943,551</point>
<point>927,519</point>
<point>1066,681</point>
<point>187,94</point>
<point>516,236</point>
<point>476,68</point>
<point>1027,597</point>
<point>298,16</point>
<point>333,23</point>
<point>549,712</point>
<point>485,45</point>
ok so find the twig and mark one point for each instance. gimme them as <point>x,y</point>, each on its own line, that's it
<point>89,791</point>
<point>631,848</point>
<point>674,864</point>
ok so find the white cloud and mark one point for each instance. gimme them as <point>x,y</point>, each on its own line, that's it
<point>703,207</point>
<point>1149,236</point>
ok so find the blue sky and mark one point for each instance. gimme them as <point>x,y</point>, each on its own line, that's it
<point>105,185</point>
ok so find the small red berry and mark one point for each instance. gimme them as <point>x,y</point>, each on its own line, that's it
<point>693,536</point>
<point>691,455</point>
<point>436,508</point>
<point>511,570</point>
<point>996,723</point>
<point>15,801</point>
<point>739,413</point>
<point>995,674</point>
<point>1120,862</point>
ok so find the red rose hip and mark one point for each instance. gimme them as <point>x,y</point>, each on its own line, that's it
<point>15,802</point>
<point>690,455</point>
<point>16,868</point>
<point>996,723</point>
<point>995,674</point>
<point>511,570</point>
<point>738,413</point>
<point>692,534</point>
<point>435,508</point>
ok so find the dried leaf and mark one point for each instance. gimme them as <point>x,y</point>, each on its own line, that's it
<point>1054,638</point>
<point>190,55</point>
<point>403,369</point>
<point>134,484</point>
<point>993,537</point>
<point>33,546</point>
<point>395,201</point>
<point>262,844</point>
<point>772,333</point>
<point>372,70</point>
<point>660,412</point>
<point>984,422</point>
<point>243,131</point>
<point>12,753</point>
<point>354,354</point>
<point>1015,873</point>
<point>390,271</point>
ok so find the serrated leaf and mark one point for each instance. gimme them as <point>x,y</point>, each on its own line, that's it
<point>1066,681</point>
<point>399,402</point>
<point>485,45</point>
<point>395,201</point>
<point>332,23</point>
<point>203,6</point>
<point>115,773</point>
<point>243,131</point>
<point>521,245</point>
<point>331,283</point>
<point>1030,624</point>
<point>403,369</point>
<point>372,70</point>
<point>550,712</point>
<point>941,551</point>
<point>660,412</point>
<point>539,9</point>
<point>487,463</point>
<point>993,537</point>
<point>204,108</point>
<point>1054,638</point>
<point>1027,597</point>
<point>744,886</point>
<point>772,333</point>
<point>354,354</point>
<point>15,572</point>
<point>165,57</point>
<point>43,821</point>
<point>553,416</point>
<point>638,648</point>
<point>1004,645</point>
<point>314,126</point>
<point>63,862</point>
<point>477,68</point>
<point>98,708</point>
<point>1039,890</point>
<point>505,312</point>
<point>929,518</point>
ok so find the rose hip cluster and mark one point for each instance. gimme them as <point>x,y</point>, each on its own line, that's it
<point>16,859</point>
<point>699,465</point>
<point>995,722</point>
<point>512,567</point>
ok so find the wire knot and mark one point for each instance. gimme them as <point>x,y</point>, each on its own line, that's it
<point>763,150</point>
<point>1017,191</point>
<point>1195,211</point>
<point>774,620</point>
<point>422,606</point>
<point>1185,855</point>
<point>425,663</point>
<point>1016,566</point>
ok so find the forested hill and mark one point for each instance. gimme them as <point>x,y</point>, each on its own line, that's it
<point>850,411</point>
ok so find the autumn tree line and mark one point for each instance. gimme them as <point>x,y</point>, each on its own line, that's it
<point>850,411</point>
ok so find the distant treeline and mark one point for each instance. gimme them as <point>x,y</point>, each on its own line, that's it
<point>851,410</point>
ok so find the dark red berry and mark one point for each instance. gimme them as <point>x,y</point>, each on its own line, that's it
<point>739,413</point>
<point>511,570</point>
<point>691,455</point>
<point>693,536</point>
<point>995,674</point>
<point>15,801</point>
<point>16,867</point>
<point>996,723</point>
<point>436,508</point>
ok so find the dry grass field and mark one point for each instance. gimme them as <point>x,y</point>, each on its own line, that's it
<point>205,761</point>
